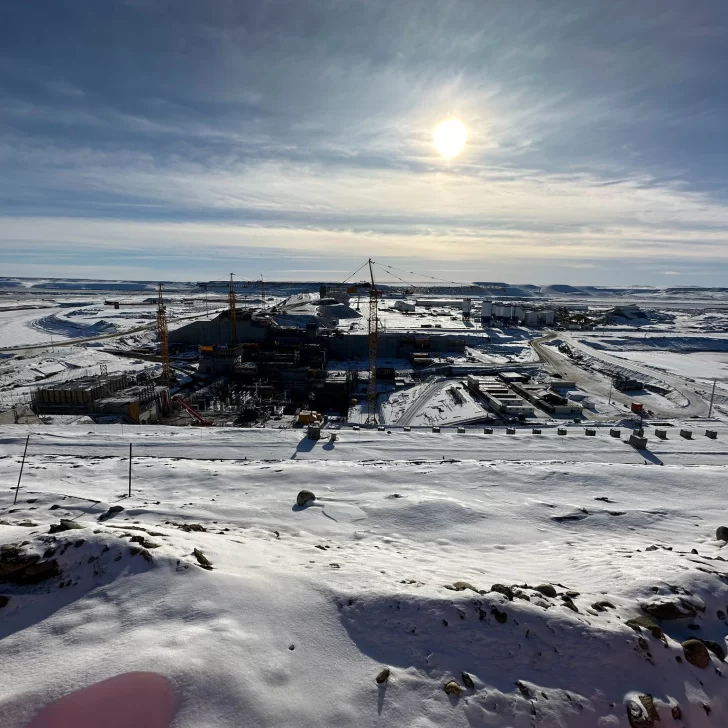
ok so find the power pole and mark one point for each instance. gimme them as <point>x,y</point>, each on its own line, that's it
<point>233,313</point>
<point>373,347</point>
<point>163,336</point>
<point>712,397</point>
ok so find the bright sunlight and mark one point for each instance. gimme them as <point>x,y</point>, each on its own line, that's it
<point>449,137</point>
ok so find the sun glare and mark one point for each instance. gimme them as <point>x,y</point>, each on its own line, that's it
<point>449,137</point>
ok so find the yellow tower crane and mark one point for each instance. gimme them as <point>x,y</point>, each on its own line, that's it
<point>233,313</point>
<point>373,347</point>
<point>163,336</point>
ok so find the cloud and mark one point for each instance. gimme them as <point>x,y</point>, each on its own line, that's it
<point>595,132</point>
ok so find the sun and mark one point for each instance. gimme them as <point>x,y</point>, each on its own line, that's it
<point>450,137</point>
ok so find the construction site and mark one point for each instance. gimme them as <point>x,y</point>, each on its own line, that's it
<point>362,351</point>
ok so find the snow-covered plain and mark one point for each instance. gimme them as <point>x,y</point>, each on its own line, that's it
<point>392,566</point>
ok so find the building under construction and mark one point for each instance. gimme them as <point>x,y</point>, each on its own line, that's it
<point>136,400</point>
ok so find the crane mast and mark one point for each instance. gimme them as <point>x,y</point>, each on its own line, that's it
<point>233,313</point>
<point>373,346</point>
<point>163,336</point>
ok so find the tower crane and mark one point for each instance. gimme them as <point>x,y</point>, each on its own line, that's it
<point>233,313</point>
<point>373,347</point>
<point>163,336</point>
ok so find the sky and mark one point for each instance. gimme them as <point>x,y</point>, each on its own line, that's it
<point>187,139</point>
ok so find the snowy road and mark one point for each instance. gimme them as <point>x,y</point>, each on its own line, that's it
<point>696,405</point>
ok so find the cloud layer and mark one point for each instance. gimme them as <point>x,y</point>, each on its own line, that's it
<point>157,136</point>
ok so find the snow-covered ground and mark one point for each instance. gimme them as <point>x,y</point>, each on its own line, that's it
<point>395,565</point>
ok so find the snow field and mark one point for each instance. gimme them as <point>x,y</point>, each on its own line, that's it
<point>384,569</point>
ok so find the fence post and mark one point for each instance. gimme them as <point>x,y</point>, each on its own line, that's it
<point>22,464</point>
<point>129,470</point>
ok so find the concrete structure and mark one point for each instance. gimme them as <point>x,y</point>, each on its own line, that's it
<point>486,312</point>
<point>111,395</point>
<point>467,307</point>
<point>406,306</point>
<point>547,400</point>
<point>499,397</point>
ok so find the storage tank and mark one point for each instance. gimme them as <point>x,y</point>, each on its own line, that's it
<point>467,306</point>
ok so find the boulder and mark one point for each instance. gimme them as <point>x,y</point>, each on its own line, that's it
<point>4,601</point>
<point>546,589</point>
<point>468,681</point>
<point>304,497</point>
<point>21,569</point>
<point>506,591</point>
<point>717,649</point>
<point>721,533</point>
<point>696,653</point>
<point>644,622</point>
<point>111,512</point>
<point>668,608</point>
<point>383,676</point>
<point>65,525</point>
<point>641,712</point>
<point>202,560</point>
<point>452,688</point>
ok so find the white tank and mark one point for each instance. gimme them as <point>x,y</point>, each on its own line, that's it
<point>486,309</point>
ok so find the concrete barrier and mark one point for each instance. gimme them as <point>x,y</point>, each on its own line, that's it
<point>510,430</point>
<point>436,429</point>
<point>536,430</point>
<point>380,429</point>
<point>687,434</point>
<point>561,431</point>
<point>590,432</point>
<point>461,430</point>
<point>407,428</point>
<point>712,434</point>
<point>662,434</point>
<point>614,432</point>
<point>488,431</point>
<point>356,427</point>
<point>637,442</point>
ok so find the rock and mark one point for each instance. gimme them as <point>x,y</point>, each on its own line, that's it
<point>468,681</point>
<point>304,496</point>
<point>452,688</point>
<point>65,525</point>
<point>191,527</point>
<point>641,712</point>
<point>603,606</point>
<point>24,569</point>
<point>112,511</point>
<point>383,676</point>
<point>721,533</point>
<point>573,594</point>
<point>676,712</point>
<point>546,589</point>
<point>506,591</point>
<point>696,653</point>
<point>54,507</point>
<point>643,622</point>
<point>500,617</point>
<point>4,601</point>
<point>143,542</point>
<point>461,586</point>
<point>694,552</point>
<point>202,560</point>
<point>138,551</point>
<point>720,614</point>
<point>715,648</point>
<point>568,602</point>
<point>667,608</point>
